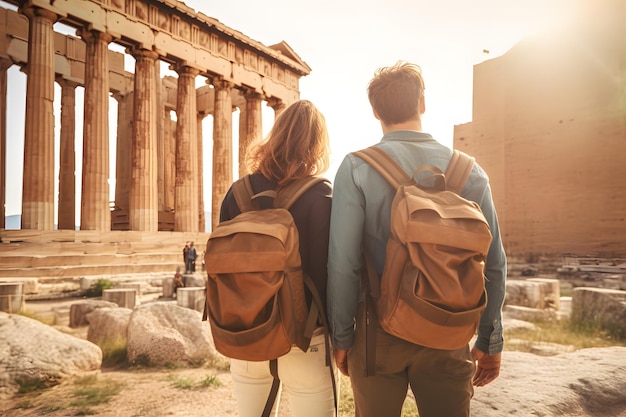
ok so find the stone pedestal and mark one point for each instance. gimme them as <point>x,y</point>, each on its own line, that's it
<point>11,297</point>
<point>168,287</point>
<point>551,291</point>
<point>191,297</point>
<point>123,297</point>
<point>132,285</point>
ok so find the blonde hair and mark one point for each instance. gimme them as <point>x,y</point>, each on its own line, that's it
<point>395,92</point>
<point>296,147</point>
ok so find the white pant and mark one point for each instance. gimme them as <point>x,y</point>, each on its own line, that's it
<point>304,377</point>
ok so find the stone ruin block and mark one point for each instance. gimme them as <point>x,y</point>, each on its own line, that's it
<point>539,293</point>
<point>123,297</point>
<point>134,285</point>
<point>11,297</point>
<point>600,307</point>
<point>191,297</point>
<point>168,287</point>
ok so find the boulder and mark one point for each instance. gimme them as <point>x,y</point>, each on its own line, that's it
<point>600,307</point>
<point>588,382</point>
<point>108,327</point>
<point>162,333</point>
<point>35,354</point>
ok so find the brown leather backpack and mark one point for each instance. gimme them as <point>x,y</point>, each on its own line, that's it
<point>432,290</point>
<point>255,295</point>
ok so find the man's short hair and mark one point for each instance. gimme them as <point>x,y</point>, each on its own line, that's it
<point>395,92</point>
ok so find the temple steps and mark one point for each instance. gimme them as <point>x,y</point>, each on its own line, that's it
<point>61,261</point>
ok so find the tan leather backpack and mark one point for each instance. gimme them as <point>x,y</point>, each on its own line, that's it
<point>255,295</point>
<point>432,290</point>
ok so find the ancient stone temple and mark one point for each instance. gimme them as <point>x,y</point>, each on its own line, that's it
<point>549,127</point>
<point>158,201</point>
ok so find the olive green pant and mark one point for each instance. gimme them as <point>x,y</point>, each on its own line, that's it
<point>441,380</point>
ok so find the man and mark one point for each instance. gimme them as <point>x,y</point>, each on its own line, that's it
<point>442,380</point>
<point>191,258</point>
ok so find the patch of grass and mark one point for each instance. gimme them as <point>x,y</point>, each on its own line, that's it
<point>25,405</point>
<point>51,409</point>
<point>188,383</point>
<point>96,289</point>
<point>141,361</point>
<point>85,412</point>
<point>563,332</point>
<point>210,381</point>
<point>31,385</point>
<point>45,317</point>
<point>114,352</point>
<point>93,391</point>
<point>220,364</point>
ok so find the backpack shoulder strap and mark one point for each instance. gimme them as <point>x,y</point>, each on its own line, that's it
<point>294,190</point>
<point>458,171</point>
<point>242,191</point>
<point>385,165</point>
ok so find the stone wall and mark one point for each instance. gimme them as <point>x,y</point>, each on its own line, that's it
<point>549,127</point>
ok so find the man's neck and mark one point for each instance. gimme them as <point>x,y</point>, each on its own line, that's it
<point>408,125</point>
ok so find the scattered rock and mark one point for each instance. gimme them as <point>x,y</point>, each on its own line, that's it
<point>588,382</point>
<point>108,326</point>
<point>35,354</point>
<point>162,333</point>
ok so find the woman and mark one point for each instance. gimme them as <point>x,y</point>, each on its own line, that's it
<point>297,147</point>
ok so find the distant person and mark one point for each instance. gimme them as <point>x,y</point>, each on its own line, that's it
<point>191,258</point>
<point>178,281</point>
<point>185,252</point>
<point>441,380</point>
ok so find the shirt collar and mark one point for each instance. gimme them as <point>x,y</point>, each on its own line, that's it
<point>407,135</point>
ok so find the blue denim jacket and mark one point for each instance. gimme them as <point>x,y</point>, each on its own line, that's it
<point>361,214</point>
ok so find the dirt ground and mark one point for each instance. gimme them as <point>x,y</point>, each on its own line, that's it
<point>146,392</point>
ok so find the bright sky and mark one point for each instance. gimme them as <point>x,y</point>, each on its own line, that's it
<point>344,42</point>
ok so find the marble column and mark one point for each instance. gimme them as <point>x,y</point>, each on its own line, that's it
<point>169,175</point>
<point>95,213</point>
<point>67,156</point>
<point>160,134</point>
<point>222,146</point>
<point>202,217</point>
<point>143,213</point>
<point>186,214</point>
<point>123,150</point>
<point>253,127</point>
<point>38,183</point>
<point>5,64</point>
